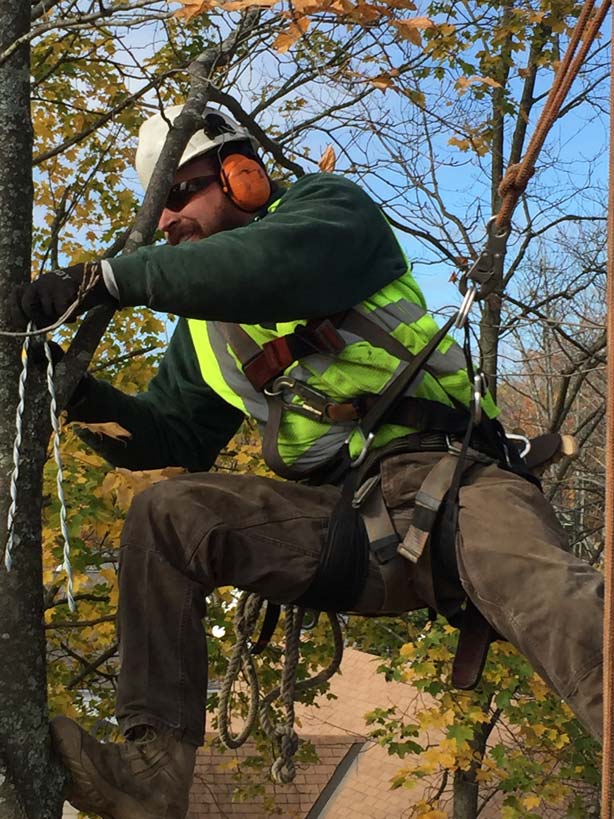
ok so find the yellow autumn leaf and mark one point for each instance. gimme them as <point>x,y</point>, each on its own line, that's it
<point>429,813</point>
<point>531,801</point>
<point>462,144</point>
<point>286,39</point>
<point>110,429</point>
<point>407,650</point>
<point>328,160</point>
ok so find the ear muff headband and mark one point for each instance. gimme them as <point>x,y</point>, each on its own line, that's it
<point>245,181</point>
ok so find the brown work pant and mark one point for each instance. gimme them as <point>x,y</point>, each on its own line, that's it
<point>185,536</point>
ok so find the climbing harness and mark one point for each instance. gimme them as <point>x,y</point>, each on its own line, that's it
<point>281,734</point>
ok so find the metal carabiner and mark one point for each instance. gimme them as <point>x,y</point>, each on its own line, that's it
<point>313,404</point>
<point>490,260</point>
<point>365,449</point>
<point>466,305</point>
<point>279,386</point>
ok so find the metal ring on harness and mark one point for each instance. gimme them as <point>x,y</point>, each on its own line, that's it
<point>365,449</point>
<point>523,440</point>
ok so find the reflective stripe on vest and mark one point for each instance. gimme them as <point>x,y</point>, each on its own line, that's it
<point>360,368</point>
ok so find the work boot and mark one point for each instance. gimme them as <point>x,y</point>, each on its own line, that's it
<point>148,778</point>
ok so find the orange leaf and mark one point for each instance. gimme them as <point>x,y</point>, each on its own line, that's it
<point>192,8</point>
<point>294,32</point>
<point>328,160</point>
<point>383,81</point>
<point>410,29</point>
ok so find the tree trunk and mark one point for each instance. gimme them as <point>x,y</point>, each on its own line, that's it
<point>466,786</point>
<point>30,783</point>
<point>465,795</point>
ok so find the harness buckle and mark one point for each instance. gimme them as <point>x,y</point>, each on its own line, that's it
<point>363,491</point>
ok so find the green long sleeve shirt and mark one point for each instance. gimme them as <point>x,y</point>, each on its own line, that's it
<point>325,248</point>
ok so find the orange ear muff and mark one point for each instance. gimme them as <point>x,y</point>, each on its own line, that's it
<point>245,181</point>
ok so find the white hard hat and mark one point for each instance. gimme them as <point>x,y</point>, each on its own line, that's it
<point>152,135</point>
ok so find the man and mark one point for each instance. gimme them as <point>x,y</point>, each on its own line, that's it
<point>297,308</point>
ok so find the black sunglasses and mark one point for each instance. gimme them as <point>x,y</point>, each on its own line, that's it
<point>181,193</point>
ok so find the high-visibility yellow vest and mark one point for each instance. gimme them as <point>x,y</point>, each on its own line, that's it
<point>361,368</point>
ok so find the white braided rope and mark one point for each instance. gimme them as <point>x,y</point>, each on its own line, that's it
<point>8,554</point>
<point>53,414</point>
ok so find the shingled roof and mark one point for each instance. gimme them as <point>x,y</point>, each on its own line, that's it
<point>215,782</point>
<point>352,775</point>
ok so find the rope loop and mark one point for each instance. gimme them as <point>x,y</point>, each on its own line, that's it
<point>246,617</point>
<point>280,733</point>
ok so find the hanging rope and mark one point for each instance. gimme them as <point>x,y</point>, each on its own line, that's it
<point>517,176</point>
<point>8,553</point>
<point>607,773</point>
<point>281,734</point>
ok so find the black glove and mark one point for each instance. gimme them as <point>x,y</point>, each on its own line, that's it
<point>47,298</point>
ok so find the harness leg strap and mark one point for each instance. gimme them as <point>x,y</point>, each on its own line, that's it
<point>474,640</point>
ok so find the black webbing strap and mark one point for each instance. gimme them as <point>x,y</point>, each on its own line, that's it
<point>269,624</point>
<point>270,441</point>
<point>422,414</point>
<point>344,560</point>
<point>395,389</point>
<point>356,322</point>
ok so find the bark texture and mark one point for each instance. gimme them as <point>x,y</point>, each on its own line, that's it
<point>30,783</point>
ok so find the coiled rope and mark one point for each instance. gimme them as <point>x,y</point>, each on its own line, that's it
<point>281,734</point>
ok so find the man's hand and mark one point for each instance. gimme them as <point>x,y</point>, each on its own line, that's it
<point>47,298</point>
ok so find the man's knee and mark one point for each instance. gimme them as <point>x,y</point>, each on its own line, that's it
<point>166,516</point>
